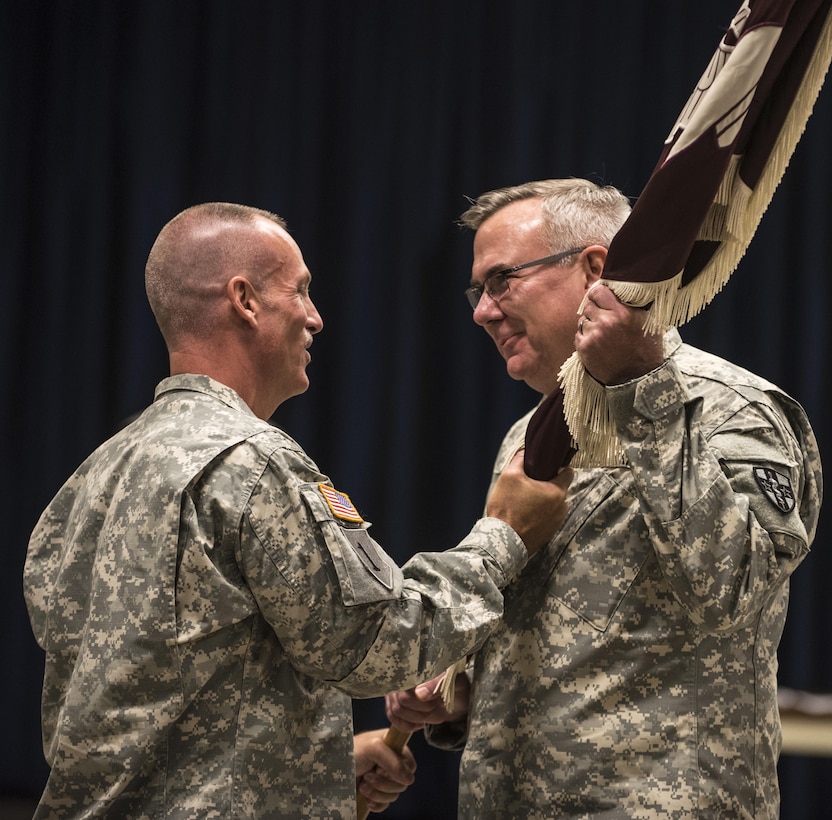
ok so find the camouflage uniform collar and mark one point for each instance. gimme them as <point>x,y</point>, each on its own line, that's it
<point>202,384</point>
<point>672,342</point>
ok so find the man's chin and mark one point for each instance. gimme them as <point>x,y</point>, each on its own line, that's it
<point>532,378</point>
<point>516,370</point>
<point>301,387</point>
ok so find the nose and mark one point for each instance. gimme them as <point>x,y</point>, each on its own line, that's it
<point>486,310</point>
<point>314,322</point>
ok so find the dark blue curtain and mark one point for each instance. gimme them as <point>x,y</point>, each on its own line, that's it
<point>364,124</point>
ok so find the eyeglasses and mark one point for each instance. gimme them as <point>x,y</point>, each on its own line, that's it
<point>496,283</point>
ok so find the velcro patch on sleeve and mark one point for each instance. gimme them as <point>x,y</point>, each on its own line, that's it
<point>374,561</point>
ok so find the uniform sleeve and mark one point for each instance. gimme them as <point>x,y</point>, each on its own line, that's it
<point>343,610</point>
<point>728,484</point>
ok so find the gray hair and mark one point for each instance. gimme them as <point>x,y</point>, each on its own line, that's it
<point>577,212</point>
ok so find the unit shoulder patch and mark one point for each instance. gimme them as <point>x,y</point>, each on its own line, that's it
<point>777,488</point>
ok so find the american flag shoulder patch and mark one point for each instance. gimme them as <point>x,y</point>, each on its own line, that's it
<point>340,504</point>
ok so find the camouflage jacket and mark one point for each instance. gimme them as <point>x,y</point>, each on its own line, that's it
<point>208,606</point>
<point>634,674</point>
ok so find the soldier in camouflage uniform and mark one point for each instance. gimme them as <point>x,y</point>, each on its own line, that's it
<point>207,601</point>
<point>634,673</point>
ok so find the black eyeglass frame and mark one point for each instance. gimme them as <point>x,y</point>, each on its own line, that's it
<point>475,292</point>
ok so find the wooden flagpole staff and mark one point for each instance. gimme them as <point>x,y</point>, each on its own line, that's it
<point>397,740</point>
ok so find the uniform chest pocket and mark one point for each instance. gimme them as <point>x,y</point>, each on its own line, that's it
<point>592,563</point>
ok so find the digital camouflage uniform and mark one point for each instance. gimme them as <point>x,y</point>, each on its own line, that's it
<point>634,674</point>
<point>206,616</point>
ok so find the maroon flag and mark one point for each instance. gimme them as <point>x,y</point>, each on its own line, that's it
<point>715,177</point>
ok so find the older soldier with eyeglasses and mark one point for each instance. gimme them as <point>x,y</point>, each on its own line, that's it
<point>634,672</point>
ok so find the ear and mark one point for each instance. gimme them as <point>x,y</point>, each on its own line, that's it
<point>595,257</point>
<point>243,299</point>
